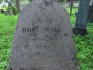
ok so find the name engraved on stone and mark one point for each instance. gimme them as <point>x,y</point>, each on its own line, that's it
<point>36,28</point>
<point>53,29</point>
<point>52,33</point>
<point>29,29</point>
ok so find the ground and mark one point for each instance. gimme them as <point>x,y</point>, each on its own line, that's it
<point>83,45</point>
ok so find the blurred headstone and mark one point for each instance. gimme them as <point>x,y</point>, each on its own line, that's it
<point>10,12</point>
<point>10,4</point>
<point>43,39</point>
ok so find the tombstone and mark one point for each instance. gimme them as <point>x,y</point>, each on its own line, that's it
<point>43,39</point>
<point>10,4</point>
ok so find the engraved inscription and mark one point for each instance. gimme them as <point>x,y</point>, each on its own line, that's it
<point>53,29</point>
<point>29,29</point>
<point>51,33</point>
<point>45,29</point>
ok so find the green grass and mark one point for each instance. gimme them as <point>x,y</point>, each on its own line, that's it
<point>83,45</point>
<point>7,27</point>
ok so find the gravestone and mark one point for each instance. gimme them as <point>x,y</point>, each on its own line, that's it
<point>43,39</point>
<point>10,4</point>
<point>9,10</point>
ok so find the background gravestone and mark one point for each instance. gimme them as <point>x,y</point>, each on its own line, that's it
<point>43,39</point>
<point>9,10</point>
<point>10,4</point>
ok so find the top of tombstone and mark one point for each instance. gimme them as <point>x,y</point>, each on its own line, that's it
<point>44,0</point>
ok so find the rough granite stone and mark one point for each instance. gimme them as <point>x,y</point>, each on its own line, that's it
<point>43,39</point>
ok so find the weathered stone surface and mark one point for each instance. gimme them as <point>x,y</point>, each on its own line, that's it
<point>43,39</point>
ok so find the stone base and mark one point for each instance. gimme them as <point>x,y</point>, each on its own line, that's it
<point>77,31</point>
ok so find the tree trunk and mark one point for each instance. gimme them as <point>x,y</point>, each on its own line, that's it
<point>6,0</point>
<point>71,4</point>
<point>30,0</point>
<point>81,20</point>
<point>18,5</point>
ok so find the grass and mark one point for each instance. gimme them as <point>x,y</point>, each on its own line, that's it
<point>84,45</point>
<point>7,27</point>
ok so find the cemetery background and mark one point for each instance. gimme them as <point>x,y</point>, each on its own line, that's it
<point>84,45</point>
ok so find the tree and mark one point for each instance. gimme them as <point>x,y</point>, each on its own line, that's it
<point>6,0</point>
<point>30,0</point>
<point>18,5</point>
<point>71,4</point>
<point>81,20</point>
<point>90,14</point>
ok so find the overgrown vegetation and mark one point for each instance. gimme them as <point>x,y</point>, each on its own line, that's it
<point>84,45</point>
<point>7,28</point>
